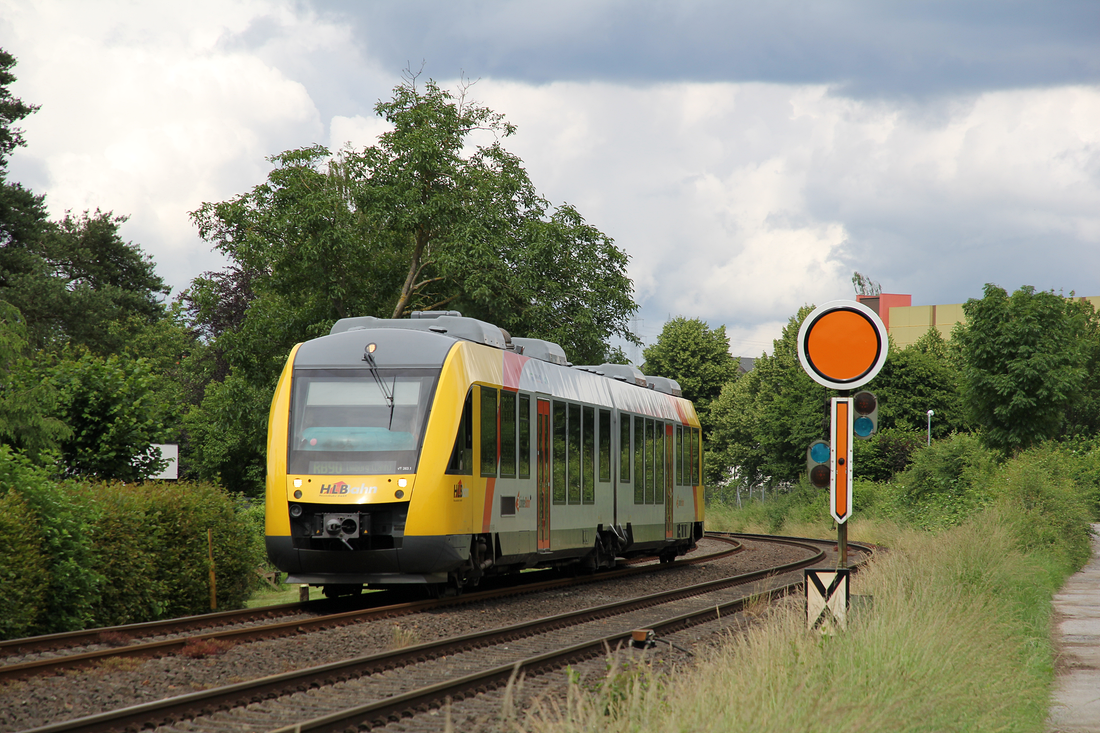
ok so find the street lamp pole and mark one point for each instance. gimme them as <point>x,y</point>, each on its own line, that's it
<point>930,414</point>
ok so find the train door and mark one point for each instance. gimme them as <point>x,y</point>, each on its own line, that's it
<point>669,466</point>
<point>542,441</point>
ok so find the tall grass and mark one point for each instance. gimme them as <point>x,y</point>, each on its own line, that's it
<point>958,638</point>
<point>955,642</point>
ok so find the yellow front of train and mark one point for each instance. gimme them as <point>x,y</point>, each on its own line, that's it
<point>360,436</point>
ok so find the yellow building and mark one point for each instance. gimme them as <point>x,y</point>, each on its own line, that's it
<point>906,323</point>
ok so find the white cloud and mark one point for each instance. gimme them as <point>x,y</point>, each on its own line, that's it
<point>737,202</point>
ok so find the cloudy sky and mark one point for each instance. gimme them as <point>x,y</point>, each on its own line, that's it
<point>748,156</point>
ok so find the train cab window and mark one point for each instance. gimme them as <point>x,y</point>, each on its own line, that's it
<point>588,456</point>
<point>507,434</point>
<point>574,454</point>
<point>488,431</point>
<point>525,436</point>
<point>639,460</point>
<point>650,446</point>
<point>605,445</point>
<point>558,451</point>
<point>624,448</point>
<point>659,464</point>
<point>358,421</point>
<point>462,457</point>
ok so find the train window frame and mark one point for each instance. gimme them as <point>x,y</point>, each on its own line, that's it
<point>462,455</point>
<point>524,435</point>
<point>659,461</point>
<point>588,454</point>
<point>490,430</point>
<point>626,456</point>
<point>508,435</point>
<point>677,458</point>
<point>650,464</point>
<point>696,457</point>
<point>558,443</point>
<point>605,445</point>
<point>573,454</point>
<point>639,459</point>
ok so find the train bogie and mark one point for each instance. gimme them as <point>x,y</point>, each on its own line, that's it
<point>436,450</point>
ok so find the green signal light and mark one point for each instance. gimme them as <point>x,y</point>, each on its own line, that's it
<point>819,452</point>
<point>863,426</point>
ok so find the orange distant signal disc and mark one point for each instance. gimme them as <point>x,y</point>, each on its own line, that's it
<point>842,345</point>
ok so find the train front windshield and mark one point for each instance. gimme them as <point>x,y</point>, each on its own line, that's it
<point>359,422</point>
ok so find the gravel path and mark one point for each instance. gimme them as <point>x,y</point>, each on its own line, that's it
<point>39,701</point>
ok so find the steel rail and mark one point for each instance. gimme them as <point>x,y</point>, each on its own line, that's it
<point>281,629</point>
<point>382,712</point>
<point>199,703</point>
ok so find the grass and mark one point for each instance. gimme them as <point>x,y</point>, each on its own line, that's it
<point>958,640</point>
<point>270,597</point>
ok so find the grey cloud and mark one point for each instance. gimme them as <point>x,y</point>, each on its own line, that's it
<point>866,48</point>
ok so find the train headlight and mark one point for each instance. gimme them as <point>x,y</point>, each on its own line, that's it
<point>295,510</point>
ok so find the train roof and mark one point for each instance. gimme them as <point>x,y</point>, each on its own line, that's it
<point>454,325</point>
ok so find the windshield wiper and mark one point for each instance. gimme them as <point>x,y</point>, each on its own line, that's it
<point>387,393</point>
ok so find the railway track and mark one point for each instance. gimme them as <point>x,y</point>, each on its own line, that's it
<point>333,695</point>
<point>73,650</point>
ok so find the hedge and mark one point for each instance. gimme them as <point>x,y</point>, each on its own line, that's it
<point>79,555</point>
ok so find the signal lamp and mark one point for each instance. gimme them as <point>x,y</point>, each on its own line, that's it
<point>817,464</point>
<point>295,510</point>
<point>865,423</point>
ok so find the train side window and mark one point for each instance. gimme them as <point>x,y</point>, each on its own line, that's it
<point>649,462</point>
<point>639,460</point>
<point>659,464</point>
<point>488,431</point>
<point>462,457</point>
<point>696,456</point>
<point>525,436</point>
<point>677,461</point>
<point>624,448</point>
<point>507,434</point>
<point>559,452</point>
<point>574,454</point>
<point>588,456</point>
<point>605,445</point>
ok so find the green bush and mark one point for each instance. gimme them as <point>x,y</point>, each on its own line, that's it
<point>80,555</point>
<point>55,523</point>
<point>152,538</point>
<point>1047,507</point>
<point>24,571</point>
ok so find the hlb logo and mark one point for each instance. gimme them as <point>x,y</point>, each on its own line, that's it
<point>337,488</point>
<point>460,491</point>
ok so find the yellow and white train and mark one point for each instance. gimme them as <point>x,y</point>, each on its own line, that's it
<point>435,450</point>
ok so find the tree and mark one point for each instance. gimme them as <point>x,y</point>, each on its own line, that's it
<point>115,413</point>
<point>918,378</point>
<point>414,222</point>
<point>1024,364</point>
<point>695,356</point>
<point>27,402</point>
<point>764,422</point>
<point>22,213</point>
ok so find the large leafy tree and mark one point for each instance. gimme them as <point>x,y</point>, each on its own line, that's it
<point>1024,364</point>
<point>425,219</point>
<point>697,357</point>
<point>764,421</point>
<point>22,213</point>
<point>923,376</point>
